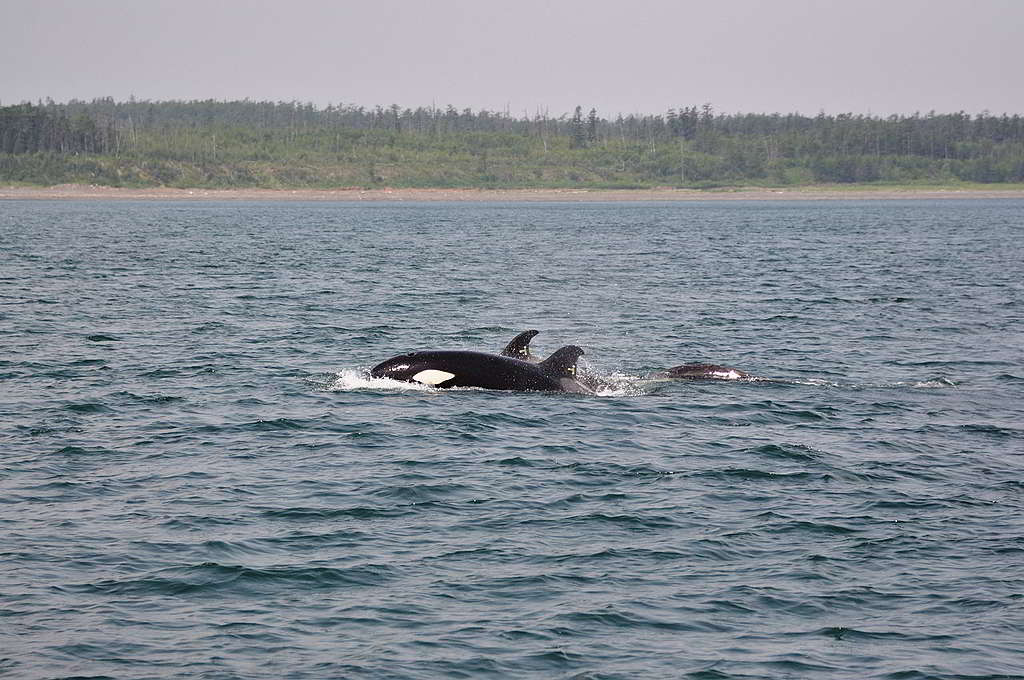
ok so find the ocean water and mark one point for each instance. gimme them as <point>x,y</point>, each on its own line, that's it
<point>199,480</point>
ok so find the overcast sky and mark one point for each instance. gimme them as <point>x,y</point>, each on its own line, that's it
<point>643,56</point>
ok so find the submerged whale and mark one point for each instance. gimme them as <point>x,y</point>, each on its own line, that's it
<point>452,368</point>
<point>703,372</point>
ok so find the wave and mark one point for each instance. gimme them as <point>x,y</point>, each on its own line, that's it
<point>213,579</point>
<point>927,384</point>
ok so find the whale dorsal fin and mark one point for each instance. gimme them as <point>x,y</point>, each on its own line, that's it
<point>519,348</point>
<point>562,364</point>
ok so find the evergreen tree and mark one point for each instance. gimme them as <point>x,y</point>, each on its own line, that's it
<point>578,132</point>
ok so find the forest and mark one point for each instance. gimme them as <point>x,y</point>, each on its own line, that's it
<point>241,144</point>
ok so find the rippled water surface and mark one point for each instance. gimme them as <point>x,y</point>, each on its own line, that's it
<point>199,480</point>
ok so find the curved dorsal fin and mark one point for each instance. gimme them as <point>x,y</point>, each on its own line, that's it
<point>519,348</point>
<point>562,364</point>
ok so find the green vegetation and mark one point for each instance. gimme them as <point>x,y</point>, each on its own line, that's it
<point>291,145</point>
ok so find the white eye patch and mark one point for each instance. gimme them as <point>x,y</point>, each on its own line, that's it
<point>432,377</point>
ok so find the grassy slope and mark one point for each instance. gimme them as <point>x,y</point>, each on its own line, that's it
<point>240,159</point>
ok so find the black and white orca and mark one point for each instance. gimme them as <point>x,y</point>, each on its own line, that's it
<point>451,368</point>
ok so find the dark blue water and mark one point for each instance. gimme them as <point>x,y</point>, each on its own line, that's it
<point>197,479</point>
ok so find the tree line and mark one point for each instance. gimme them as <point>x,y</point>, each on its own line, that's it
<point>29,129</point>
<point>264,143</point>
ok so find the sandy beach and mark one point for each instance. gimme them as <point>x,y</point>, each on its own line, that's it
<point>91,191</point>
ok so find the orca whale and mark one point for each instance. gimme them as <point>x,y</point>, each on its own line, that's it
<point>703,372</point>
<point>453,368</point>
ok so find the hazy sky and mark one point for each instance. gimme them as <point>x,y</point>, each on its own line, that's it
<point>640,56</point>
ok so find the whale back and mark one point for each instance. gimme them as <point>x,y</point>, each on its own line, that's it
<point>703,372</point>
<point>561,366</point>
<point>562,363</point>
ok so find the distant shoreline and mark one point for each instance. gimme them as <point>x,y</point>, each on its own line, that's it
<point>95,192</point>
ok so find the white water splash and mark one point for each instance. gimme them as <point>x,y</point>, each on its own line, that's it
<point>937,383</point>
<point>812,382</point>
<point>620,385</point>
<point>349,379</point>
